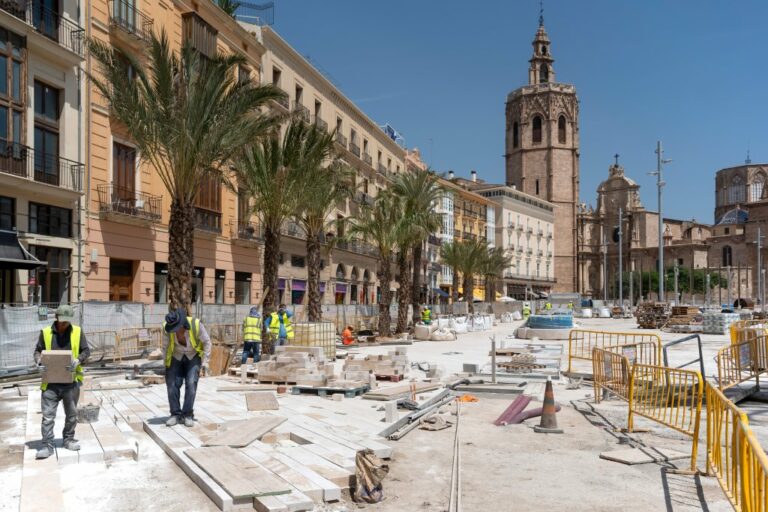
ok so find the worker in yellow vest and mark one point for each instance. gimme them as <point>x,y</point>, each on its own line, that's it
<point>526,310</point>
<point>62,335</point>
<point>280,326</point>
<point>187,349</point>
<point>252,336</point>
<point>426,315</point>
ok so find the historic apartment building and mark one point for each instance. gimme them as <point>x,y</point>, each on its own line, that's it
<point>349,274</point>
<point>542,150</point>
<point>41,151</point>
<point>726,248</point>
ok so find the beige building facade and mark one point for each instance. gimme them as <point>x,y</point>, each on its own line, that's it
<point>42,50</point>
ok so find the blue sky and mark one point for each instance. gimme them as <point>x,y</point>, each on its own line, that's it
<point>693,74</point>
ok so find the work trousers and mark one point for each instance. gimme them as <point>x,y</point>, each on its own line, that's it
<point>50,403</point>
<point>251,349</point>
<point>182,371</point>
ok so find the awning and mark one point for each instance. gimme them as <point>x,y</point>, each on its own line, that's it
<point>13,255</point>
<point>440,293</point>
<point>341,288</point>
<point>322,287</point>
<point>281,284</point>
<point>298,285</point>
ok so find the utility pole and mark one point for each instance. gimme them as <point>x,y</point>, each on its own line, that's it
<point>759,294</point>
<point>631,284</point>
<point>621,274</point>
<point>677,273</point>
<point>605,269</point>
<point>728,271</point>
<point>660,161</point>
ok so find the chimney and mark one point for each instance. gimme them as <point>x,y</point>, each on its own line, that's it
<point>514,187</point>
<point>450,175</point>
<point>474,175</point>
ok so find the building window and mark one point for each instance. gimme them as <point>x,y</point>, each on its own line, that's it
<point>123,171</point>
<point>242,288</point>
<point>199,34</point>
<point>543,73</point>
<point>221,279</point>
<point>161,283</point>
<point>561,138</point>
<point>7,213</point>
<point>208,205</point>
<point>537,130</point>
<point>46,133</point>
<point>736,191</point>
<point>727,256</point>
<point>756,189</point>
<point>298,261</point>
<point>243,73</point>
<point>52,279</point>
<point>12,72</point>
<point>515,134</point>
<point>537,187</point>
<point>50,220</point>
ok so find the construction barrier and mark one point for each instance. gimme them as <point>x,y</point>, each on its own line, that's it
<point>611,373</point>
<point>138,341</point>
<point>103,345</point>
<point>581,343</point>
<point>745,330</point>
<point>225,334</point>
<point>734,455</point>
<point>741,362</point>
<point>669,396</point>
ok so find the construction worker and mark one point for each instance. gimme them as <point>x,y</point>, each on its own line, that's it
<point>347,338</point>
<point>61,335</point>
<point>570,305</point>
<point>547,306</point>
<point>187,349</point>
<point>280,326</point>
<point>526,310</point>
<point>426,315</point>
<point>252,336</point>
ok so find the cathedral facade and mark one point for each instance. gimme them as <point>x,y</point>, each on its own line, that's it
<point>542,151</point>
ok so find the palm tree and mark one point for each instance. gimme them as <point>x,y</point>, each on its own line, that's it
<point>229,6</point>
<point>472,255</point>
<point>327,183</point>
<point>271,172</point>
<point>379,224</point>
<point>450,255</point>
<point>188,117</point>
<point>493,265</point>
<point>420,193</point>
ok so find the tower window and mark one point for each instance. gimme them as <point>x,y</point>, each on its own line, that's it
<point>537,130</point>
<point>561,130</point>
<point>543,73</point>
<point>537,187</point>
<point>515,134</point>
<point>727,256</point>
<point>543,49</point>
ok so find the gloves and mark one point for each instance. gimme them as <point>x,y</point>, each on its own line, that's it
<point>73,365</point>
<point>205,369</point>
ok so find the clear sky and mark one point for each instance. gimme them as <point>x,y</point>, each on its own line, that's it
<point>692,73</point>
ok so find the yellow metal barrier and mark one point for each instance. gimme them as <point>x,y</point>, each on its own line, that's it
<point>745,330</point>
<point>754,471</point>
<point>741,362</point>
<point>135,341</point>
<point>581,343</point>
<point>103,344</point>
<point>611,372</point>
<point>669,396</point>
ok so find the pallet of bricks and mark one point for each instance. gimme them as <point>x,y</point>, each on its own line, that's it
<point>390,366</point>
<point>652,315</point>
<point>685,319</point>
<point>719,323</point>
<point>303,366</point>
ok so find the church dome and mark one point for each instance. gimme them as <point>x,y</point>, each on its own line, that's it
<point>735,216</point>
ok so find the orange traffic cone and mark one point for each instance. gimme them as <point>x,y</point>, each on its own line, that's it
<point>548,423</point>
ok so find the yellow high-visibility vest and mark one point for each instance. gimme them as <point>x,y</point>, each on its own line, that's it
<point>194,323</point>
<point>274,325</point>
<point>252,328</point>
<point>74,342</point>
<point>426,315</point>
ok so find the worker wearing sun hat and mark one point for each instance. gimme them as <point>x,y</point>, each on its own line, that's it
<point>187,349</point>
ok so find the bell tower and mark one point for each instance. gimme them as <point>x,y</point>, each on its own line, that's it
<point>542,150</point>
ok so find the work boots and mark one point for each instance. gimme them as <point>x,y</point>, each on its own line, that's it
<point>44,453</point>
<point>72,445</point>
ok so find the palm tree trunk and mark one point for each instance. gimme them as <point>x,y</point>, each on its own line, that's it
<point>271,263</point>
<point>385,277</point>
<point>469,293</point>
<point>181,244</point>
<point>455,287</point>
<point>416,290</point>
<point>403,297</point>
<point>314,309</point>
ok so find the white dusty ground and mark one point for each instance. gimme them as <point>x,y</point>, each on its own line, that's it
<point>503,468</point>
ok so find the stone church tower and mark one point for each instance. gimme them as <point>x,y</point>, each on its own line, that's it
<point>542,150</point>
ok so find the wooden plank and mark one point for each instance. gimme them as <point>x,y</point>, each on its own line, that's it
<point>247,432</point>
<point>261,401</point>
<point>239,475</point>
<point>319,465</point>
<point>55,362</point>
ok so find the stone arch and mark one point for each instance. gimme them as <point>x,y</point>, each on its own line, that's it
<point>562,124</point>
<point>757,186</point>
<point>537,128</point>
<point>341,271</point>
<point>354,275</point>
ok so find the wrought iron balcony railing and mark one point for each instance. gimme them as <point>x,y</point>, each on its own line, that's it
<point>125,16</point>
<point>242,230</point>
<point>321,124</point>
<point>125,201</point>
<point>49,23</point>
<point>207,220</point>
<point>367,159</point>
<point>25,162</point>
<point>354,149</point>
<point>282,100</point>
<point>301,111</point>
<point>341,140</point>
<point>292,229</point>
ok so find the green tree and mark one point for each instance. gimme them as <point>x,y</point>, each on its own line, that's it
<point>471,256</point>
<point>379,224</point>
<point>450,255</point>
<point>271,172</point>
<point>327,182</point>
<point>492,267</point>
<point>229,6</point>
<point>188,117</point>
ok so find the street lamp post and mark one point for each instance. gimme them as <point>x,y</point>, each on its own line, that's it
<point>621,274</point>
<point>660,161</point>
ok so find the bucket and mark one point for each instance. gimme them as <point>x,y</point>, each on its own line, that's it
<point>88,414</point>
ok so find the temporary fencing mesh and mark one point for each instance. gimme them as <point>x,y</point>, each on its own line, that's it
<point>741,362</point>
<point>581,342</point>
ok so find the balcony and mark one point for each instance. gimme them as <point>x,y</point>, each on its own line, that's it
<point>529,231</point>
<point>24,162</point>
<point>357,246</point>
<point>207,221</point>
<point>281,100</point>
<point>367,159</point>
<point>540,232</point>
<point>520,227</point>
<point>321,124</point>
<point>354,149</point>
<point>301,111</point>
<point>126,17</point>
<point>341,140</point>
<point>48,23</point>
<point>381,168</point>
<point>435,267</point>
<point>127,203</point>
<point>434,240</point>
<point>247,231</point>
<point>293,230</point>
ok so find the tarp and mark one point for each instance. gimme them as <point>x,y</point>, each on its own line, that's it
<point>341,288</point>
<point>298,285</point>
<point>13,256</point>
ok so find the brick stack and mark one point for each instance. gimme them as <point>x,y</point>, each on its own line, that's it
<point>393,364</point>
<point>305,366</point>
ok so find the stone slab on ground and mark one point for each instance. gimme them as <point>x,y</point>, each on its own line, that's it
<point>644,455</point>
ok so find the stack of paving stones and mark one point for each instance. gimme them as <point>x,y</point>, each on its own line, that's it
<point>718,323</point>
<point>393,364</point>
<point>304,366</point>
